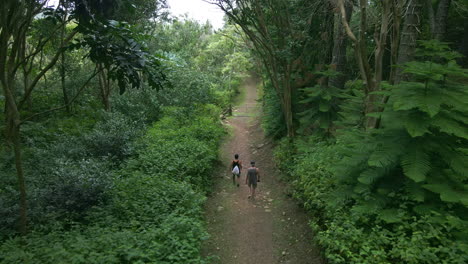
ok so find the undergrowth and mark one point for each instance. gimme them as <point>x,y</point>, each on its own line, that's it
<point>397,194</point>
<point>153,212</point>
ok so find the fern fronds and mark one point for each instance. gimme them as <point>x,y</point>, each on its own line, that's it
<point>371,175</point>
<point>446,124</point>
<point>415,162</point>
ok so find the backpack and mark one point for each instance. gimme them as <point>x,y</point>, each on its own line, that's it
<point>235,170</point>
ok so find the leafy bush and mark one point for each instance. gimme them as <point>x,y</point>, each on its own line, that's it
<point>112,137</point>
<point>74,187</point>
<point>273,120</point>
<point>153,212</point>
<point>189,88</point>
<point>9,207</point>
<point>397,194</point>
<point>181,148</point>
<point>140,105</point>
<point>356,225</point>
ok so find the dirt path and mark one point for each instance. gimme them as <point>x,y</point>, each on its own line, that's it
<point>271,229</point>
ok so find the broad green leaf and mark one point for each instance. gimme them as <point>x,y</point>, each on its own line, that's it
<point>389,215</point>
<point>450,196</point>
<point>415,191</point>
<point>370,175</point>
<point>450,126</point>
<point>366,208</point>
<point>415,163</point>
<point>464,200</point>
<point>447,194</point>
<point>385,156</point>
<point>425,209</point>
<point>416,126</point>
<point>376,114</point>
<point>361,188</point>
<point>431,104</point>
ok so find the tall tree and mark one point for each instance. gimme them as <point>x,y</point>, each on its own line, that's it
<point>371,75</point>
<point>280,36</point>
<point>129,61</point>
<point>409,36</point>
<point>339,46</point>
<point>16,19</point>
<point>438,18</point>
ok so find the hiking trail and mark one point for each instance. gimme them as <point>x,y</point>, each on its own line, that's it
<point>272,228</point>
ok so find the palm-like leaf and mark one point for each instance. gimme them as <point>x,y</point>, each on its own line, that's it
<point>415,163</point>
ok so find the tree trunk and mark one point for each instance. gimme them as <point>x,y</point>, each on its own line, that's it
<point>66,100</point>
<point>104,85</point>
<point>441,19</point>
<point>23,227</point>
<point>395,38</point>
<point>339,49</point>
<point>66,97</point>
<point>381,43</point>
<point>407,43</point>
<point>16,18</point>
<point>12,133</point>
<point>256,22</point>
<point>431,16</point>
<point>409,35</point>
<point>463,48</point>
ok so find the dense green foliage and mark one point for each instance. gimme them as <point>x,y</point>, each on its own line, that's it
<point>153,208</point>
<point>118,175</point>
<point>397,194</point>
<point>95,172</point>
<point>372,129</point>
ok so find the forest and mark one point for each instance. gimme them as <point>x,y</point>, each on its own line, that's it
<point>111,125</point>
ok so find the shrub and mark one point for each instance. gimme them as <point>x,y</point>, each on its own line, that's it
<point>113,137</point>
<point>75,187</point>
<point>9,207</point>
<point>272,121</point>
<point>182,149</point>
<point>189,88</point>
<point>354,225</point>
<point>139,105</point>
<point>153,212</point>
<point>397,194</point>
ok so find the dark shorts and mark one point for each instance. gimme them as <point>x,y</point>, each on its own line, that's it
<point>252,183</point>
<point>234,175</point>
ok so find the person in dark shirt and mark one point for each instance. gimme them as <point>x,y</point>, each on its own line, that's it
<point>252,178</point>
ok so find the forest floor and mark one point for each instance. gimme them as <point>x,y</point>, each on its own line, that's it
<point>270,229</point>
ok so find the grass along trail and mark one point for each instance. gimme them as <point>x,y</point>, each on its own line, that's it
<point>271,229</point>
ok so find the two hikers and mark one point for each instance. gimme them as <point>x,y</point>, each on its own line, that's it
<point>252,177</point>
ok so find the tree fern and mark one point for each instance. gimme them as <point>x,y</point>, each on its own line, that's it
<point>352,107</point>
<point>387,154</point>
<point>446,192</point>
<point>457,162</point>
<point>371,175</point>
<point>423,132</point>
<point>322,107</point>
<point>415,191</point>
<point>416,124</point>
<point>415,162</point>
<point>448,125</point>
